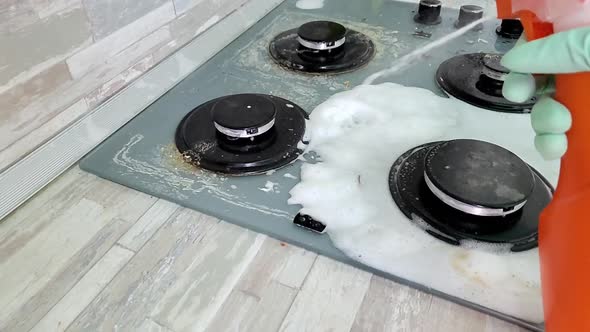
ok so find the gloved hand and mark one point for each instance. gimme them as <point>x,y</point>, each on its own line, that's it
<point>566,52</point>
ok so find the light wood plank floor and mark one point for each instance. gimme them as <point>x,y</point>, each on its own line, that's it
<point>86,254</point>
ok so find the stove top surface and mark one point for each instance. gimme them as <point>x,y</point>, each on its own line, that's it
<point>143,155</point>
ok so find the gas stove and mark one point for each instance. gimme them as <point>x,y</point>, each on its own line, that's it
<point>229,140</point>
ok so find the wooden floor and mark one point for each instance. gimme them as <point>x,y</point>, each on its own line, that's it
<point>86,254</point>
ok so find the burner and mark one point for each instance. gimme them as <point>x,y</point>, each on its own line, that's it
<point>322,47</point>
<point>478,79</point>
<point>468,189</point>
<point>242,134</point>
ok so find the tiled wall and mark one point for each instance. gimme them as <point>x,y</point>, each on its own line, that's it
<point>61,58</point>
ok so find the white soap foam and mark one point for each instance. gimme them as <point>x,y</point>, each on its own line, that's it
<point>289,176</point>
<point>359,134</point>
<point>309,4</point>
<point>269,187</point>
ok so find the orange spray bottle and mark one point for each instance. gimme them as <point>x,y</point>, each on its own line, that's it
<point>564,230</point>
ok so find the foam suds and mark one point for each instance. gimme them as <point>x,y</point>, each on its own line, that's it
<point>309,4</point>
<point>359,134</point>
<point>416,55</point>
<point>269,187</point>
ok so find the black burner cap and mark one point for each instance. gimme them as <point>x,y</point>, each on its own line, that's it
<point>242,134</point>
<point>244,112</point>
<point>408,183</point>
<point>477,79</point>
<point>479,173</point>
<point>322,31</point>
<point>510,29</point>
<point>321,47</point>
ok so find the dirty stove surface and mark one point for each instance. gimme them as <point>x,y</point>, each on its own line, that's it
<point>143,155</point>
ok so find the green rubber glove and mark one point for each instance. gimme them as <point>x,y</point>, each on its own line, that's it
<point>566,52</point>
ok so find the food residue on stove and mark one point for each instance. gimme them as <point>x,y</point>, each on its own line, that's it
<point>460,261</point>
<point>166,168</point>
<point>203,147</point>
<point>174,159</point>
<point>270,187</point>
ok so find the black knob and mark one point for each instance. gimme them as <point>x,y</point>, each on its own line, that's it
<point>510,29</point>
<point>469,14</point>
<point>428,12</point>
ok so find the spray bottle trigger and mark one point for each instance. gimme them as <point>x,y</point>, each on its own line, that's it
<point>535,28</point>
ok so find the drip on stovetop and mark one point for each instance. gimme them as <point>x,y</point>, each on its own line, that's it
<point>242,134</point>
<point>471,190</point>
<point>478,80</point>
<point>321,47</point>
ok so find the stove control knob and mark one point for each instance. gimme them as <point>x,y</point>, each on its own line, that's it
<point>428,12</point>
<point>469,14</point>
<point>510,29</point>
